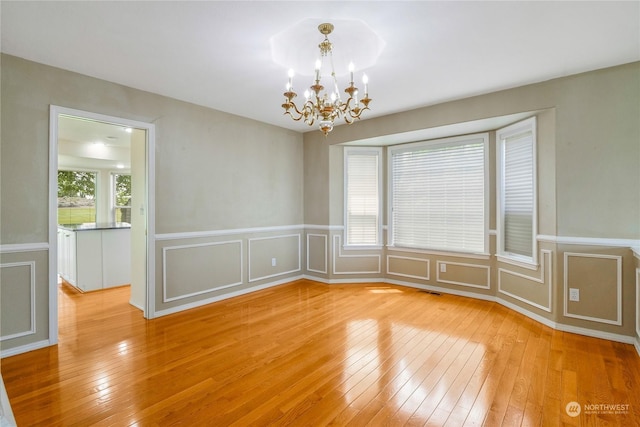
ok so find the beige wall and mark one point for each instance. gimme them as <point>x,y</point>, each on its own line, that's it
<point>588,194</point>
<point>215,173</point>
<point>227,182</point>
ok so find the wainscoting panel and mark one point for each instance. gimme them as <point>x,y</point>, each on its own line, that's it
<point>415,268</point>
<point>463,274</point>
<point>353,263</point>
<point>535,291</point>
<point>274,256</point>
<point>18,319</point>
<point>317,253</point>
<point>598,278</point>
<point>209,267</point>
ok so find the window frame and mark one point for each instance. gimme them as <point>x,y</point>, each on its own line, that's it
<point>441,142</point>
<point>97,183</point>
<point>513,130</point>
<point>348,151</point>
<point>113,206</point>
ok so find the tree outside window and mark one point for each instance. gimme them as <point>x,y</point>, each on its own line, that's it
<point>122,198</point>
<point>76,197</point>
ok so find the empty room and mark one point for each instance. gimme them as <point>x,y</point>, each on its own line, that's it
<point>218,213</point>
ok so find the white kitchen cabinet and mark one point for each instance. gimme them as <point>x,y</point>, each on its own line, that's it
<point>94,257</point>
<point>66,255</point>
<point>89,260</point>
<point>116,257</point>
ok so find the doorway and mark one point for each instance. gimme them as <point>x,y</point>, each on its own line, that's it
<point>111,148</point>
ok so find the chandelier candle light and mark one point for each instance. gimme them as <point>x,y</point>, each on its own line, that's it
<point>321,106</point>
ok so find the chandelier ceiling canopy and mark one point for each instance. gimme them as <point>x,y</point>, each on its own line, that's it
<point>323,100</point>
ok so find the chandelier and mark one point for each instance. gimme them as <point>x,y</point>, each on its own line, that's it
<point>320,105</point>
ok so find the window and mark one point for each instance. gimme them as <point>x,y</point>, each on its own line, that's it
<point>516,179</point>
<point>438,194</point>
<point>362,196</point>
<point>121,200</point>
<point>76,197</point>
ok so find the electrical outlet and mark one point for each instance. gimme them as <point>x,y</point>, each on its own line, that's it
<point>443,268</point>
<point>574,294</point>
<point>273,262</point>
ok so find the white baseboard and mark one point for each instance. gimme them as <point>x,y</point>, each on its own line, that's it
<point>217,298</point>
<point>443,290</point>
<point>540,319</point>
<point>137,306</point>
<point>24,348</point>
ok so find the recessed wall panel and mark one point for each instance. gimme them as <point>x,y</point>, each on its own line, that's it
<point>598,279</point>
<point>273,256</point>
<point>18,287</point>
<point>416,268</point>
<point>463,274</point>
<point>527,286</point>
<point>196,269</point>
<point>353,261</point>
<point>317,253</point>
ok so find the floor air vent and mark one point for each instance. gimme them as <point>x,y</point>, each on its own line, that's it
<point>430,292</point>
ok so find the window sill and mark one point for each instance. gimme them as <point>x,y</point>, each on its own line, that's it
<point>362,247</point>
<point>484,256</point>
<point>527,263</point>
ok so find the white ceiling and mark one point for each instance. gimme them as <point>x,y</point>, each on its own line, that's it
<point>217,53</point>
<point>89,144</point>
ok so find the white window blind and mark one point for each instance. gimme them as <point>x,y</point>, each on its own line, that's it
<point>518,194</point>
<point>438,195</point>
<point>362,174</point>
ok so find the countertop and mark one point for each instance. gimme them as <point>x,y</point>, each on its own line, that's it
<point>87,226</point>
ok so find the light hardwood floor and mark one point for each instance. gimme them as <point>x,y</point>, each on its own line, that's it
<point>306,353</point>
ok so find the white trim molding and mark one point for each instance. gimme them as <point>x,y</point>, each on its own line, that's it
<point>618,260</point>
<point>166,249</point>
<point>439,253</point>
<point>589,241</point>
<point>546,268</point>
<point>472,285</point>
<point>25,348</point>
<point>32,299</point>
<point>425,260</point>
<point>326,248</point>
<point>281,273</point>
<point>538,318</point>
<point>24,247</point>
<point>227,232</point>
<point>341,255</point>
<point>200,303</point>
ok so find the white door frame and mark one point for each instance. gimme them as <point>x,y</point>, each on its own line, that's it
<point>54,112</point>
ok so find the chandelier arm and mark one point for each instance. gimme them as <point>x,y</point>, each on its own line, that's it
<point>288,107</point>
<point>291,115</point>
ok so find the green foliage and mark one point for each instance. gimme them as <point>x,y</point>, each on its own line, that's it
<point>75,215</point>
<point>123,190</point>
<point>77,184</point>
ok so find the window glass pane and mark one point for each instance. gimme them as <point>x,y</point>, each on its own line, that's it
<point>122,197</point>
<point>518,194</point>
<point>362,201</point>
<point>76,197</point>
<point>438,196</point>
